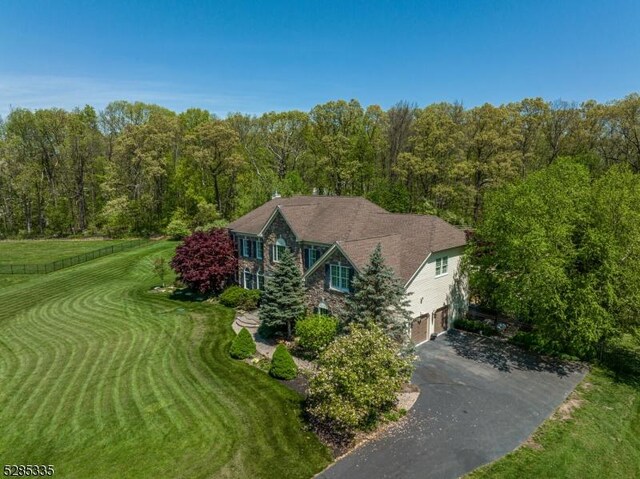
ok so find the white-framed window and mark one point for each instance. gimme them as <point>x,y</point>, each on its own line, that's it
<point>278,249</point>
<point>339,277</point>
<point>258,249</point>
<point>247,279</point>
<point>259,280</point>
<point>442,266</point>
<point>323,309</point>
<point>311,255</point>
<point>246,247</point>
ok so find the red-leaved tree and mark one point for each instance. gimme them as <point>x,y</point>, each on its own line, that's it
<point>205,261</point>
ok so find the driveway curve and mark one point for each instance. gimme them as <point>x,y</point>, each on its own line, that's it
<point>480,399</point>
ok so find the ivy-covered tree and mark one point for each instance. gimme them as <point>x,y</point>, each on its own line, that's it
<point>379,298</point>
<point>282,302</point>
<point>206,261</point>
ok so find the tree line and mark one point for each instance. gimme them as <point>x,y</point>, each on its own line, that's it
<point>132,168</point>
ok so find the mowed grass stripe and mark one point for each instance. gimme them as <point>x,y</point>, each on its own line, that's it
<point>76,347</point>
<point>104,378</point>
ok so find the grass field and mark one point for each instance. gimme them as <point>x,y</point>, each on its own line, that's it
<point>600,439</point>
<point>46,251</point>
<point>11,279</point>
<point>103,378</point>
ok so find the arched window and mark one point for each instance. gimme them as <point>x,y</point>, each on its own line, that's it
<point>278,249</point>
<point>323,309</point>
<point>247,279</point>
<point>259,280</point>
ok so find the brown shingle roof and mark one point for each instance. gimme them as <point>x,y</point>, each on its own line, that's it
<point>358,225</point>
<point>323,219</point>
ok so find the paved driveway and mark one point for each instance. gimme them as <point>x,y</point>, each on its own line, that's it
<point>479,400</point>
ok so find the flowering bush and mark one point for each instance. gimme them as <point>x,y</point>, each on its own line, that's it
<point>359,376</point>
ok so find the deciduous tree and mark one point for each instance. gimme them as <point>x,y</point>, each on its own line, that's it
<point>206,261</point>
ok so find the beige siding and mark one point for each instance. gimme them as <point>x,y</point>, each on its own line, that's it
<point>429,293</point>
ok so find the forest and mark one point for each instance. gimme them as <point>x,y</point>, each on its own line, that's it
<point>133,168</point>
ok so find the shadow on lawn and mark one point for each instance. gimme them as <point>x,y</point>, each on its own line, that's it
<point>622,364</point>
<point>504,356</point>
<point>186,294</point>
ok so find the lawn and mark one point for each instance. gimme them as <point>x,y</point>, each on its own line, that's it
<point>600,439</point>
<point>101,377</point>
<point>46,251</point>
<point>11,279</point>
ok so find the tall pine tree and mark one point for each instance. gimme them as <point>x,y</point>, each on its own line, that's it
<point>282,302</point>
<point>379,298</point>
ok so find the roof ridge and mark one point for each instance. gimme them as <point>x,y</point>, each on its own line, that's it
<point>369,238</point>
<point>420,215</point>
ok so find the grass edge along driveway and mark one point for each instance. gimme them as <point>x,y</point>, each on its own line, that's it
<point>595,433</point>
<point>104,378</point>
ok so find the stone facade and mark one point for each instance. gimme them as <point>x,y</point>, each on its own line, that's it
<point>318,290</point>
<point>316,284</point>
<point>253,265</point>
<point>280,229</point>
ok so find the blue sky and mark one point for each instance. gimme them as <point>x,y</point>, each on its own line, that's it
<point>275,55</point>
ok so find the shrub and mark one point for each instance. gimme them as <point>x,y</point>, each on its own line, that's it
<point>238,297</point>
<point>359,376</point>
<point>316,332</point>
<point>474,326</point>
<point>282,364</point>
<point>177,229</point>
<point>206,261</point>
<point>531,341</point>
<point>242,346</point>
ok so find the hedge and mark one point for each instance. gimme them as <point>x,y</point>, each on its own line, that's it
<point>316,332</point>
<point>237,297</point>
<point>474,326</point>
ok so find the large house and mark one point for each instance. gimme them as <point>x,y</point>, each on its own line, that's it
<point>332,237</point>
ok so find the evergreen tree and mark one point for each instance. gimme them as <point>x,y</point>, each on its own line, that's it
<point>282,364</point>
<point>282,302</point>
<point>242,346</point>
<point>379,297</point>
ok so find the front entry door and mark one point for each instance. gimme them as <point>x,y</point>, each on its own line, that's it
<point>441,320</point>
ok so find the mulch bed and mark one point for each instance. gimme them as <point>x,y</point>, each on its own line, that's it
<point>299,384</point>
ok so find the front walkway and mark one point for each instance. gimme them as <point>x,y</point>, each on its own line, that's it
<point>265,347</point>
<point>480,399</point>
